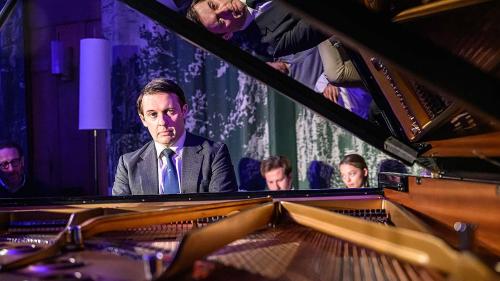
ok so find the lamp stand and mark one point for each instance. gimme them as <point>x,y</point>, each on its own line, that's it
<point>96,179</point>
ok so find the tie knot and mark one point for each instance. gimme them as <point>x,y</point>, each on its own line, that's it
<point>168,152</point>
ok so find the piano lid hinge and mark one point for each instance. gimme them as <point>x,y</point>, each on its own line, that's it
<point>400,149</point>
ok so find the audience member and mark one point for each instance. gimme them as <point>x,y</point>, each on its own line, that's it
<point>319,175</point>
<point>13,180</point>
<point>278,173</point>
<point>353,171</point>
<point>175,161</point>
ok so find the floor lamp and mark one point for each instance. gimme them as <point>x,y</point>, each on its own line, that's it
<point>95,91</point>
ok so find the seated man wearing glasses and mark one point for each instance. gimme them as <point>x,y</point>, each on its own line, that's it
<point>12,175</point>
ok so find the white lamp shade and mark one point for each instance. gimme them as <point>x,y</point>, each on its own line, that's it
<point>95,84</point>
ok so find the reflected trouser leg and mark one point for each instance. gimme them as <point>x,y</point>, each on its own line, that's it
<point>338,67</point>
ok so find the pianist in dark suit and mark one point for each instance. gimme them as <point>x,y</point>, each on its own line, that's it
<point>175,161</point>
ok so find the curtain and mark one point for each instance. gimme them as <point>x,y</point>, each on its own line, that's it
<point>12,84</point>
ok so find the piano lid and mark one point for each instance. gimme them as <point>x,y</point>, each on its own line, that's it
<point>435,103</point>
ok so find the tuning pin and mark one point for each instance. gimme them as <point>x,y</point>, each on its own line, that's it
<point>377,63</point>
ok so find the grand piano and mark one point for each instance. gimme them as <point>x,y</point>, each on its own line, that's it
<point>435,108</point>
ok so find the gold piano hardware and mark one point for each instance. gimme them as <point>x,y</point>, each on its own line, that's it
<point>445,202</point>
<point>417,109</point>
<point>433,8</point>
<point>100,224</point>
<point>409,246</point>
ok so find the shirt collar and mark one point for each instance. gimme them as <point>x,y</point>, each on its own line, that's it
<point>254,13</point>
<point>170,4</point>
<point>177,147</point>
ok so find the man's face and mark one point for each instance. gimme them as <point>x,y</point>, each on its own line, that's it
<point>222,16</point>
<point>277,180</point>
<point>351,176</point>
<point>11,167</point>
<point>164,117</point>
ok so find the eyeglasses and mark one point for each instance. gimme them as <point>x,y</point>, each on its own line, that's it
<point>14,163</point>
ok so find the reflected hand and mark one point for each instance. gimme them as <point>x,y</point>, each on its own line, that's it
<point>280,66</point>
<point>331,92</point>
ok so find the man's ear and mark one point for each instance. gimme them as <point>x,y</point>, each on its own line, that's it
<point>143,120</point>
<point>184,110</point>
<point>227,36</point>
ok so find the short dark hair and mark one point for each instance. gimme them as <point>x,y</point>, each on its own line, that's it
<point>160,85</point>
<point>275,162</point>
<point>192,15</point>
<point>11,144</point>
<point>357,161</point>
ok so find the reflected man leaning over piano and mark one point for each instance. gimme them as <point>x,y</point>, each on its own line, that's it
<point>273,31</point>
<point>175,161</point>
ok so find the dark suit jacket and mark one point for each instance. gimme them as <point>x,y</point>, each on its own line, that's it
<point>206,167</point>
<point>276,33</point>
<point>30,188</point>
